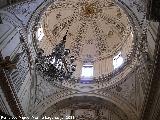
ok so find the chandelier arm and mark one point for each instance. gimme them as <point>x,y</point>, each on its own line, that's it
<point>58,65</point>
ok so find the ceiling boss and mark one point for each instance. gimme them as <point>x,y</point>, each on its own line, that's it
<point>89,9</point>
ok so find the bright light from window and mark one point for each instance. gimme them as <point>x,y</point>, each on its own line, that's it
<point>87,71</point>
<point>40,33</point>
<point>117,60</point>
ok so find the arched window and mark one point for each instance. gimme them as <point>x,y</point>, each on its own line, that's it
<point>87,74</point>
<point>87,71</point>
<point>39,34</point>
<point>118,60</point>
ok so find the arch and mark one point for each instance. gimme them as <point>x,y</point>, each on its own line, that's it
<point>48,102</point>
<point>86,102</point>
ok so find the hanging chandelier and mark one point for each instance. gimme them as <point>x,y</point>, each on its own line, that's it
<point>58,65</point>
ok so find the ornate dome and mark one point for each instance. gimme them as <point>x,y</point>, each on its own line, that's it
<point>101,34</point>
<point>97,31</point>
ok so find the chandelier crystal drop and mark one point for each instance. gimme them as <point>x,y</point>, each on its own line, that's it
<point>58,65</point>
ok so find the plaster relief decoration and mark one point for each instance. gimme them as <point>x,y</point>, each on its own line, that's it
<point>86,20</point>
<point>85,108</point>
<point>132,90</point>
<point>139,8</point>
<point>142,77</point>
<point>22,68</point>
<point>24,10</point>
<point>127,90</point>
<point>44,90</point>
<point>97,31</point>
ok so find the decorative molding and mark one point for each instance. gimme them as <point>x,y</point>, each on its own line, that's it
<point>24,10</point>
<point>10,95</point>
<point>67,94</point>
<point>79,104</point>
<point>37,16</point>
<point>152,97</point>
<point>136,13</point>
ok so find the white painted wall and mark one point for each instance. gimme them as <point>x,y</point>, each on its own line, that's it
<point>9,39</point>
<point>10,46</point>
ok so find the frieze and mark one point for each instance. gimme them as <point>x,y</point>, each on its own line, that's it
<point>103,82</point>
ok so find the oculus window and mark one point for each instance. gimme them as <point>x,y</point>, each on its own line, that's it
<point>117,60</point>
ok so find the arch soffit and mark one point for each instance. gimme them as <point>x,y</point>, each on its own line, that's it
<point>77,102</point>
<point>50,101</point>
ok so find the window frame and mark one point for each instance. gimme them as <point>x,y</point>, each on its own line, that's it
<point>84,69</point>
